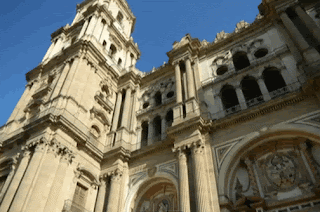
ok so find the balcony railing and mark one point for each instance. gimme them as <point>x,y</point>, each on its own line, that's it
<point>70,206</point>
<point>279,92</point>
<point>233,109</point>
<point>252,102</point>
<point>255,101</point>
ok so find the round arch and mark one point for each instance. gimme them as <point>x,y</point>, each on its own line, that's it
<point>146,183</point>
<point>251,141</point>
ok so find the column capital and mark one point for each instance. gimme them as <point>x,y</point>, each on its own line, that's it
<point>197,148</point>
<point>66,155</point>
<point>54,147</point>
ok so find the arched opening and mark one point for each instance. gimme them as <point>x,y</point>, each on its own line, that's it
<point>303,29</point>
<point>240,60</point>
<point>274,82</point>
<point>104,44</point>
<point>222,70</point>
<point>271,170</point>
<point>144,133</point>
<point>261,53</point>
<point>113,51</point>
<point>119,62</point>
<point>120,17</point>
<point>169,118</point>
<point>251,91</point>
<point>145,105</point>
<point>170,94</point>
<point>158,98</point>
<point>157,128</point>
<point>183,80</point>
<point>229,99</point>
<point>157,195</point>
<point>131,59</point>
<point>95,131</point>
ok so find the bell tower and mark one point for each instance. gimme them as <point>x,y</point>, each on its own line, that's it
<point>66,115</point>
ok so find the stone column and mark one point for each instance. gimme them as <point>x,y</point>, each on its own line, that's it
<point>49,51</point>
<point>126,108</point>
<point>309,22</point>
<point>128,60</point>
<point>178,83</point>
<point>116,112</point>
<point>241,99</point>
<point>65,160</point>
<point>5,204</point>
<point>62,77</point>
<point>310,166</point>
<point>68,79</point>
<point>56,47</point>
<point>114,191</point>
<point>184,197</point>
<point>132,122</point>
<point>83,29</point>
<point>26,183</point>
<point>163,127</point>
<point>286,77</point>
<point>283,33</point>
<point>303,45</point>
<point>45,178</point>
<point>201,188</point>
<point>97,28</point>
<point>252,177</point>
<point>190,79</point>
<point>150,132</point>
<point>264,89</point>
<point>92,24</point>
<point>218,102</point>
<point>8,180</point>
<point>101,195</point>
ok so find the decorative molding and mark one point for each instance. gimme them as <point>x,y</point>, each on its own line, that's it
<point>221,151</point>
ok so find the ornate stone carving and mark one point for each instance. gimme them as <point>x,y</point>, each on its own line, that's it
<point>252,176</point>
<point>220,36</point>
<point>281,171</point>
<point>241,25</point>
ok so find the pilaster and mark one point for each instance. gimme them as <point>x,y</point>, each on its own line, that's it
<point>101,194</point>
<point>201,190</point>
<point>9,195</point>
<point>113,201</point>
<point>184,197</point>
<point>30,174</point>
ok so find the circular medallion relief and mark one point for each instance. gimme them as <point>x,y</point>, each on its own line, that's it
<point>281,171</point>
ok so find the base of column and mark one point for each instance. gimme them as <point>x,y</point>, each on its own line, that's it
<point>177,114</point>
<point>122,137</point>
<point>192,108</point>
<point>311,55</point>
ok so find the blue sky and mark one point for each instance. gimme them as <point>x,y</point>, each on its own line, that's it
<point>26,27</point>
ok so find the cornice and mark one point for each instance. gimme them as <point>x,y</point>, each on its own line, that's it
<point>235,38</point>
<point>186,125</point>
<point>161,72</point>
<point>252,113</point>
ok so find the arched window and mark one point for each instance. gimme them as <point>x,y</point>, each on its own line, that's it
<point>120,17</point>
<point>274,82</point>
<point>251,91</point>
<point>104,44</point>
<point>157,128</point>
<point>144,133</point>
<point>229,98</point>
<point>113,51</point>
<point>240,60</point>
<point>95,131</point>
<point>169,118</point>
<point>158,98</point>
<point>119,61</point>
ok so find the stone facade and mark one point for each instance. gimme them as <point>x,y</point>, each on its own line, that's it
<point>231,125</point>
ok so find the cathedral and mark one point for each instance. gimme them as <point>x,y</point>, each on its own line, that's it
<point>231,125</point>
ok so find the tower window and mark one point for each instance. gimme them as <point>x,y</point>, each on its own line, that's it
<point>120,17</point>
<point>113,50</point>
<point>261,53</point>
<point>119,61</point>
<point>240,60</point>
<point>158,98</point>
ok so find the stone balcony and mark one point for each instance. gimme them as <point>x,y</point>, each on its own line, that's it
<point>70,206</point>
